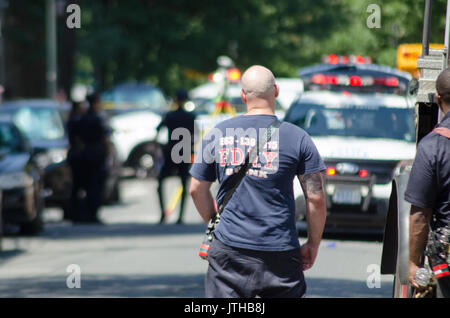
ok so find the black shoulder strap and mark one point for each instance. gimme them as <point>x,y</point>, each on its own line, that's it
<point>248,162</point>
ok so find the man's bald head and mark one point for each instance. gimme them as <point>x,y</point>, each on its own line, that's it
<point>258,81</point>
<point>443,86</point>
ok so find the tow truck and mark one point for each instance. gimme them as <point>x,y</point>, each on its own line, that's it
<point>361,121</point>
<point>430,63</point>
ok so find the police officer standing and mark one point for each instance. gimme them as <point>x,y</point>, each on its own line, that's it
<point>72,212</point>
<point>428,191</point>
<point>179,118</point>
<point>96,147</point>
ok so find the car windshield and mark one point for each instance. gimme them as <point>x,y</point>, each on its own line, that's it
<point>10,141</point>
<point>354,121</point>
<point>39,123</point>
<point>131,97</point>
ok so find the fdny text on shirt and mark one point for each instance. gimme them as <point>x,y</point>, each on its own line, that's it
<point>235,156</point>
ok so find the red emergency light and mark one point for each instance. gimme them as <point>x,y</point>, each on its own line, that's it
<point>352,59</point>
<point>354,80</point>
<point>391,81</point>
<point>233,75</point>
<point>330,171</point>
<point>363,173</point>
<point>325,79</point>
<point>333,59</point>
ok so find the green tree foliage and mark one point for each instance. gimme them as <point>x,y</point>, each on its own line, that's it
<point>165,41</point>
<point>160,40</point>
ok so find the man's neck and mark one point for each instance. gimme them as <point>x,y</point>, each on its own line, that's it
<point>260,112</point>
<point>445,109</point>
<point>255,110</point>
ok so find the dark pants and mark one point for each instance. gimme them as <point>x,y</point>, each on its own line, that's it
<point>95,177</point>
<point>89,174</point>
<point>241,273</point>
<point>76,204</point>
<point>171,169</point>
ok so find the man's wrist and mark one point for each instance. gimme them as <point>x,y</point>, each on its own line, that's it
<point>313,243</point>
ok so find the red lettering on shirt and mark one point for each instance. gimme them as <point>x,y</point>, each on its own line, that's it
<point>237,151</point>
<point>270,156</point>
<point>223,155</point>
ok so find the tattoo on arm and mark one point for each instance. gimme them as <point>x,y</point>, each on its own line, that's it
<point>311,183</point>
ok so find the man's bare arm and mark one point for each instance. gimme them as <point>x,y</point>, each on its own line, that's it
<point>418,236</point>
<point>203,200</point>
<point>312,185</point>
<point>316,211</point>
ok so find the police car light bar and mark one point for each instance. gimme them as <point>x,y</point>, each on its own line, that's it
<point>354,80</point>
<point>361,78</point>
<point>352,59</point>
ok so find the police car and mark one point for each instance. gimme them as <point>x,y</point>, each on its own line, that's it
<point>134,111</point>
<point>362,123</point>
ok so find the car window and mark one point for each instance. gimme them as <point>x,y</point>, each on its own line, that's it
<point>10,140</point>
<point>136,97</point>
<point>40,123</point>
<point>352,121</point>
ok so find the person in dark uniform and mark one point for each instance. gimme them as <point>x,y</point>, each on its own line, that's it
<point>179,118</point>
<point>94,136</point>
<point>428,188</point>
<point>72,212</point>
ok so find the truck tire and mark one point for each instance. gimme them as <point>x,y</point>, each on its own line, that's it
<point>1,222</point>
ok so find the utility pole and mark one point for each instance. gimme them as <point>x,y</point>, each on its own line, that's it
<point>51,49</point>
<point>3,6</point>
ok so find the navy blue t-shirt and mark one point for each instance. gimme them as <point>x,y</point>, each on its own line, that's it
<point>261,213</point>
<point>429,181</point>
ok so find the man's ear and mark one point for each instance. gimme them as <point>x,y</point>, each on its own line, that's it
<point>437,98</point>
<point>277,90</point>
<point>243,97</point>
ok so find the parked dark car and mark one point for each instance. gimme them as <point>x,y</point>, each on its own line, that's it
<point>43,124</point>
<point>20,181</point>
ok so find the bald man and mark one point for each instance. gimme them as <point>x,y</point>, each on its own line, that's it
<point>255,250</point>
<point>428,188</point>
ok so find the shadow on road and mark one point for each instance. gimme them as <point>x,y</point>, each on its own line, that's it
<point>179,286</point>
<point>105,286</point>
<point>344,288</point>
<point>6,255</point>
<point>354,234</point>
<point>86,231</point>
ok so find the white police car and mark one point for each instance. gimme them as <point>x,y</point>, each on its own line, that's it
<point>362,123</point>
<point>134,111</point>
<point>364,140</point>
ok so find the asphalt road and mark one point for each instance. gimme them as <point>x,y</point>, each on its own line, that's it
<point>131,255</point>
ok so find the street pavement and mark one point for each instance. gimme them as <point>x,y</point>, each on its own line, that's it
<point>131,255</point>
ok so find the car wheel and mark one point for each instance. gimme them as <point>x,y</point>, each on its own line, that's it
<point>1,224</point>
<point>148,161</point>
